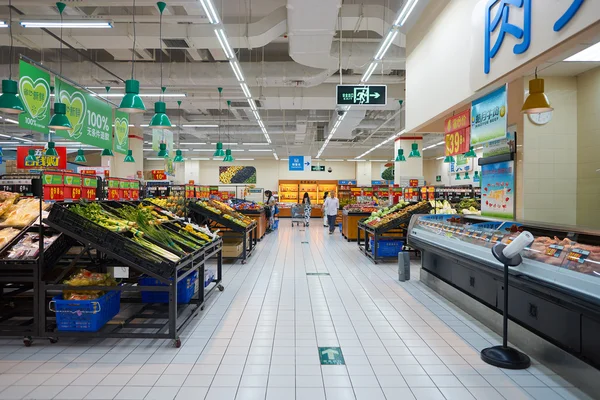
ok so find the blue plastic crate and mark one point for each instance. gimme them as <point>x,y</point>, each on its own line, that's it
<point>85,315</point>
<point>185,290</point>
<point>275,224</point>
<point>340,226</point>
<point>387,247</point>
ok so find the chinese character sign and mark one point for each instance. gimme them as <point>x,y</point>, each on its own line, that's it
<point>299,163</point>
<point>89,116</point>
<point>498,24</point>
<point>42,161</point>
<point>488,117</point>
<point>34,91</point>
<point>457,131</point>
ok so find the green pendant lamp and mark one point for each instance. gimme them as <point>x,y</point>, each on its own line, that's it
<point>178,157</point>
<point>51,150</point>
<point>400,157</point>
<point>219,151</point>
<point>160,120</point>
<point>457,176</point>
<point>415,151</point>
<point>107,153</point>
<point>129,157</point>
<point>470,153</point>
<point>178,154</point>
<point>59,121</point>
<point>80,156</point>
<point>10,103</point>
<point>467,175</point>
<point>30,156</point>
<point>228,156</point>
<point>162,151</point>
<point>476,177</point>
<point>132,103</point>
<point>448,160</point>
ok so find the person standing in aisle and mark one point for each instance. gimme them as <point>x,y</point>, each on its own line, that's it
<point>307,209</point>
<point>270,205</point>
<point>331,207</point>
<point>325,197</point>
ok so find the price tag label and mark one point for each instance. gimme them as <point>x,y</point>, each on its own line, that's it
<point>113,194</point>
<point>554,250</point>
<point>578,255</point>
<point>76,193</point>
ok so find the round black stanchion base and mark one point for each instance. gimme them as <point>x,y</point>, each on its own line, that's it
<point>505,357</point>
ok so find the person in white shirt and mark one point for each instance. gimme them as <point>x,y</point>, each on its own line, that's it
<point>330,208</point>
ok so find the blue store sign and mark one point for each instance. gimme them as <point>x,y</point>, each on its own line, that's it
<point>299,163</point>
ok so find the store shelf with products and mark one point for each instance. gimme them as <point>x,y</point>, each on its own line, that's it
<point>385,224</point>
<point>288,192</point>
<point>238,230</point>
<point>351,215</point>
<point>256,212</point>
<point>555,292</point>
<point>156,251</point>
<point>325,187</point>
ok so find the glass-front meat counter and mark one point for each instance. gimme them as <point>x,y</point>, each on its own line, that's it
<point>556,289</point>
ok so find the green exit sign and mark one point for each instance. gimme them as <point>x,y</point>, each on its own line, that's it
<point>319,168</point>
<point>357,95</point>
<point>438,178</point>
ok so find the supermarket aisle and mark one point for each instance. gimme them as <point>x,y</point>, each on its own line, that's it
<point>259,339</point>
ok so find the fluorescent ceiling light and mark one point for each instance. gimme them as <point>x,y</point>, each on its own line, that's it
<point>192,144</point>
<point>246,90</point>
<point>252,105</point>
<point>592,53</point>
<point>107,95</point>
<point>244,159</point>
<point>209,10</point>
<point>380,160</point>
<point>478,148</point>
<point>440,158</point>
<point>333,160</point>
<point>199,126</point>
<point>253,144</point>
<point>368,72</point>
<point>155,159</point>
<point>199,159</point>
<point>227,144</point>
<point>12,121</point>
<point>357,160</point>
<point>224,43</point>
<point>408,8</point>
<point>260,150</point>
<point>440,143</point>
<point>5,136</point>
<point>386,44</point>
<point>236,70</point>
<point>78,24</point>
<point>276,157</point>
<point>21,139</point>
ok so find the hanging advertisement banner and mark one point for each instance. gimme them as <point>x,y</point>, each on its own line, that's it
<point>89,116</point>
<point>488,117</point>
<point>497,190</point>
<point>462,164</point>
<point>502,146</point>
<point>162,136</point>
<point>34,91</point>
<point>42,161</point>
<point>457,131</point>
<point>121,124</point>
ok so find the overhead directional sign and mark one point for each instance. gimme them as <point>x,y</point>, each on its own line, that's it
<point>318,168</point>
<point>365,95</point>
<point>300,163</point>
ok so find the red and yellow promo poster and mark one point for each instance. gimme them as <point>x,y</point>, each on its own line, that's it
<point>458,133</point>
<point>42,161</point>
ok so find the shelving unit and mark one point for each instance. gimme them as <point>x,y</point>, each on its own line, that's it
<point>288,192</point>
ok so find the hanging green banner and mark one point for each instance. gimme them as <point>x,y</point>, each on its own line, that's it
<point>162,136</point>
<point>121,132</point>
<point>34,90</point>
<point>89,116</point>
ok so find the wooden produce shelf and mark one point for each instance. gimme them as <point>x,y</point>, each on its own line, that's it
<point>261,221</point>
<point>350,224</point>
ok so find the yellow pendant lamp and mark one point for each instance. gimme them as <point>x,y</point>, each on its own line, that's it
<point>537,102</point>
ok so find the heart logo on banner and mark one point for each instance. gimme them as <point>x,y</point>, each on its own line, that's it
<point>76,110</point>
<point>69,180</point>
<point>121,130</point>
<point>35,96</point>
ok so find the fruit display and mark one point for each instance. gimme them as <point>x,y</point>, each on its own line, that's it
<point>237,174</point>
<point>399,211</point>
<point>241,205</point>
<point>441,207</point>
<point>175,204</point>
<point>84,278</point>
<point>469,207</point>
<point>226,212</point>
<point>361,208</point>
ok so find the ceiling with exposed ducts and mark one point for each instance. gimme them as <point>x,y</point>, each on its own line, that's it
<point>292,54</point>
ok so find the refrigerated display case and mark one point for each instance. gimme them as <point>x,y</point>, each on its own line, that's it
<point>554,293</point>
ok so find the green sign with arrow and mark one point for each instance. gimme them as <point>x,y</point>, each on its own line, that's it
<point>34,90</point>
<point>331,356</point>
<point>89,116</point>
<point>357,95</point>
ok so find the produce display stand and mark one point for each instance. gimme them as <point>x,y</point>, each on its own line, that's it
<point>99,248</point>
<point>227,228</point>
<point>350,224</point>
<point>396,228</point>
<point>261,221</point>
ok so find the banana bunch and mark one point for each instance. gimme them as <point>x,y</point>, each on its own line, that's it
<point>225,176</point>
<point>201,235</point>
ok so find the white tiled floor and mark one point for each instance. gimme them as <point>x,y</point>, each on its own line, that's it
<point>258,340</point>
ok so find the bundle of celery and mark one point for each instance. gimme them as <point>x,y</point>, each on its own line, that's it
<point>95,213</point>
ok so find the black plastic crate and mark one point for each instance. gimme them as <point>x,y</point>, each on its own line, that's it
<point>86,231</point>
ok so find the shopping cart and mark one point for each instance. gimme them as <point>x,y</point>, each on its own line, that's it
<point>298,214</point>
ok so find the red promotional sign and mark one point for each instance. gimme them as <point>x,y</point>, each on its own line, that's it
<point>458,133</point>
<point>413,182</point>
<point>159,174</point>
<point>41,161</point>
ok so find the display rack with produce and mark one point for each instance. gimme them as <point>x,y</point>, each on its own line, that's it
<point>253,210</point>
<point>238,230</point>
